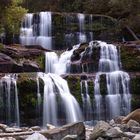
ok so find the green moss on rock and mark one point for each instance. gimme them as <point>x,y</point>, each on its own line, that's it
<point>41,62</point>
<point>130,58</point>
<point>74,85</point>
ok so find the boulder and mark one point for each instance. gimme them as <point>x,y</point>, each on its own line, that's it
<point>137,137</point>
<point>99,130</point>
<point>132,123</point>
<point>135,115</point>
<point>29,66</point>
<point>36,136</point>
<point>77,128</point>
<point>129,135</point>
<point>3,127</point>
<point>135,129</point>
<point>114,133</point>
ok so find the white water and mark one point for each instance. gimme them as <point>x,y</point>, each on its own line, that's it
<point>81,36</point>
<point>9,95</point>
<point>63,65</point>
<point>26,32</point>
<point>27,35</point>
<point>51,60</point>
<point>98,97</point>
<point>87,107</point>
<point>108,58</point>
<point>118,96</point>
<point>57,88</point>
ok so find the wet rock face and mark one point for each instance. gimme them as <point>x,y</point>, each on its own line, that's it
<point>20,59</point>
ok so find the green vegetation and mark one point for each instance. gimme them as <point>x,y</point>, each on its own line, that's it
<point>11,14</point>
<point>74,85</point>
<point>130,58</point>
<point>126,11</point>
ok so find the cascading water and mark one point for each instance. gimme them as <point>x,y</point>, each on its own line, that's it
<point>118,96</point>
<point>9,100</point>
<point>29,35</point>
<point>81,36</point>
<point>63,65</point>
<point>91,24</point>
<point>87,107</point>
<point>45,39</point>
<point>57,99</point>
<point>118,99</point>
<point>26,36</point>
<point>51,60</point>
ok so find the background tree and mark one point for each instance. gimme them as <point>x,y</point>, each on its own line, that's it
<point>11,17</point>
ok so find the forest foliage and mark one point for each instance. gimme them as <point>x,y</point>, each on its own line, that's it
<point>125,11</point>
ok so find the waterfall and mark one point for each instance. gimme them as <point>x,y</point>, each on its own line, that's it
<point>9,100</point>
<point>26,31</point>
<point>29,31</point>
<point>91,24</point>
<point>81,36</point>
<point>118,99</point>
<point>87,107</point>
<point>57,99</point>
<point>63,65</point>
<point>59,105</point>
<point>51,60</point>
<point>108,58</point>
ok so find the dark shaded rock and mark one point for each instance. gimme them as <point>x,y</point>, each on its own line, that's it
<point>7,64</point>
<point>36,47</point>
<point>29,66</point>
<point>76,54</point>
<point>18,59</point>
<point>21,52</point>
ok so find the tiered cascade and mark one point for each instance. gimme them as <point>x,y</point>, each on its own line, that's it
<point>37,30</point>
<point>59,31</point>
<point>117,99</point>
